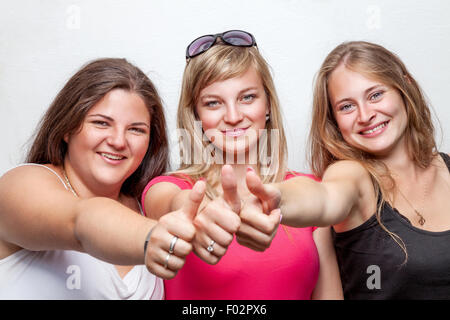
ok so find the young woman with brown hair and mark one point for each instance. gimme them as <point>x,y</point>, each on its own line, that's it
<point>71,226</point>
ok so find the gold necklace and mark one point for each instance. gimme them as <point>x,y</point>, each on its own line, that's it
<point>421,218</point>
<point>68,183</point>
<point>73,190</point>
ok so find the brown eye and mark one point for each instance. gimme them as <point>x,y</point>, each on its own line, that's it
<point>139,130</point>
<point>100,123</point>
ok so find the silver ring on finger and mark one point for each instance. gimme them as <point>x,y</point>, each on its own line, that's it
<point>210,247</point>
<point>172,244</point>
<point>166,262</point>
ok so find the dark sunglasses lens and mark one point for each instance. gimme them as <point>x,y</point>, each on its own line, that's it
<point>238,38</point>
<point>200,45</point>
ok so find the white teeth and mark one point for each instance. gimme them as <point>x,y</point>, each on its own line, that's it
<point>375,129</point>
<point>234,132</point>
<point>112,157</point>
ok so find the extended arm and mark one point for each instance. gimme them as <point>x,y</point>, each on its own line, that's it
<point>37,213</point>
<point>345,197</point>
<point>344,191</point>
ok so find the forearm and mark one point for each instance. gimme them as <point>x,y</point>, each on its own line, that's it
<point>305,202</point>
<point>328,285</point>
<point>110,231</point>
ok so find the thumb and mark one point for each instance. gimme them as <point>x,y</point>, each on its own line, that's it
<point>261,191</point>
<point>195,198</point>
<point>229,186</point>
<point>276,215</point>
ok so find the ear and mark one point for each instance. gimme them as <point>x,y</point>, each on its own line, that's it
<point>267,111</point>
<point>66,138</point>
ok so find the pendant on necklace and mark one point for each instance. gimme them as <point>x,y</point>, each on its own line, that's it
<point>421,220</point>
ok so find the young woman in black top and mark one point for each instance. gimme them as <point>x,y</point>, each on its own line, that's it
<point>385,188</point>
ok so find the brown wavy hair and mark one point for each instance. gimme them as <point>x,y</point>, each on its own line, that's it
<point>83,90</point>
<point>326,144</point>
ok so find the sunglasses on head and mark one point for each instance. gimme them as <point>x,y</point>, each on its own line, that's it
<point>237,38</point>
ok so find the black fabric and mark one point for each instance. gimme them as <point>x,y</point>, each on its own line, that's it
<point>372,265</point>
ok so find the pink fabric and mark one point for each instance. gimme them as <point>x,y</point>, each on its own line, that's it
<point>288,270</point>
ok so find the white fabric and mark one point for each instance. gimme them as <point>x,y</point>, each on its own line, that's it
<point>65,274</point>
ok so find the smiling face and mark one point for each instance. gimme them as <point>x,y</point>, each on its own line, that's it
<point>233,112</point>
<point>112,141</point>
<point>371,115</point>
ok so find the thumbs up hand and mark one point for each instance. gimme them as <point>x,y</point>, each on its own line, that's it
<point>170,240</point>
<point>260,214</point>
<point>217,222</point>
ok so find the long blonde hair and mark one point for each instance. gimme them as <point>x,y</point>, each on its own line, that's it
<point>222,62</point>
<point>326,144</point>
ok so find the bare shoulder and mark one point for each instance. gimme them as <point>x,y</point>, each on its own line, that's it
<point>355,174</point>
<point>34,176</point>
<point>347,170</point>
<point>159,197</point>
<point>35,208</point>
<point>31,188</point>
<point>162,191</point>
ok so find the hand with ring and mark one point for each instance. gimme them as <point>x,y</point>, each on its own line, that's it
<point>218,221</point>
<point>169,242</point>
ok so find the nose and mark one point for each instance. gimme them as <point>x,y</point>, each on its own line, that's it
<point>233,114</point>
<point>366,114</point>
<point>117,139</point>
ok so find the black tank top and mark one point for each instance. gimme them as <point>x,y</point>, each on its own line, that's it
<point>372,265</point>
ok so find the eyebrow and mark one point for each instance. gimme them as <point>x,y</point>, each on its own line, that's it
<point>112,120</point>
<point>365,93</point>
<point>248,89</point>
<point>218,96</point>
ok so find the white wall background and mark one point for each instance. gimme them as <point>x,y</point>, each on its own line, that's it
<point>43,42</point>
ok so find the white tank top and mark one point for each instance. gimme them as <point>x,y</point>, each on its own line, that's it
<point>65,274</point>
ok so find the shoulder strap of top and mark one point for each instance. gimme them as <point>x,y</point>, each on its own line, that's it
<point>446,158</point>
<point>291,174</point>
<point>41,165</point>
<point>65,186</point>
<point>141,211</point>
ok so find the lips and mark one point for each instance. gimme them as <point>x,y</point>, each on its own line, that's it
<point>112,156</point>
<point>236,132</point>
<point>373,130</point>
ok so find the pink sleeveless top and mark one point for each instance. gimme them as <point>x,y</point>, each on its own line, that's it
<point>287,270</point>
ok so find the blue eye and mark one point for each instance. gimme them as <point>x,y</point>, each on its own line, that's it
<point>248,97</point>
<point>346,107</point>
<point>376,95</point>
<point>212,103</point>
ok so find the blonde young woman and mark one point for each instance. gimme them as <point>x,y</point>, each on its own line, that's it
<point>230,119</point>
<point>385,188</point>
<point>70,223</point>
